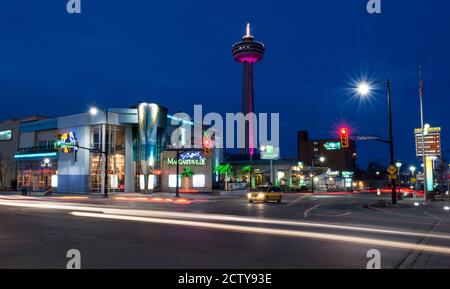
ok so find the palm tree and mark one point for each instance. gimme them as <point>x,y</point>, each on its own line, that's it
<point>225,170</point>
<point>247,171</point>
<point>186,174</point>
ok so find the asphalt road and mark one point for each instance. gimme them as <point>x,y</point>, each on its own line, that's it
<point>332,231</point>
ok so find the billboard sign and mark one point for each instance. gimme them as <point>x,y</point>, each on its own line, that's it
<point>432,141</point>
<point>269,152</point>
<point>6,135</point>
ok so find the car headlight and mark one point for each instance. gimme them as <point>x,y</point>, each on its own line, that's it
<point>249,195</point>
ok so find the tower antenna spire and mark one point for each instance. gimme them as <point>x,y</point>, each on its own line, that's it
<point>248,31</point>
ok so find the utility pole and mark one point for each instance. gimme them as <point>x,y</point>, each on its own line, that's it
<point>105,192</point>
<point>391,142</point>
<point>177,187</point>
<point>422,124</point>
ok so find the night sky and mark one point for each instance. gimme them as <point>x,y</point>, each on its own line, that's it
<point>178,53</point>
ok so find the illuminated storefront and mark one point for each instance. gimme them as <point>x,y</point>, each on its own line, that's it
<point>198,165</point>
<point>134,141</point>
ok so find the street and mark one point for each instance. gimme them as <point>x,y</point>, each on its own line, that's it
<point>304,231</point>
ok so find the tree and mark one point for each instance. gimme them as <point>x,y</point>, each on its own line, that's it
<point>187,174</point>
<point>5,169</point>
<point>247,171</point>
<point>224,170</point>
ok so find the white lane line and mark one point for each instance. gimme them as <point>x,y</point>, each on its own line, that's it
<point>338,215</point>
<point>223,218</point>
<point>297,200</point>
<point>305,215</point>
<point>275,232</point>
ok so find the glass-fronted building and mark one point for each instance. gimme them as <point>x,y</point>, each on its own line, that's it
<point>68,153</point>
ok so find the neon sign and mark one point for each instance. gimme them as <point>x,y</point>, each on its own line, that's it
<point>6,135</point>
<point>67,142</point>
<point>188,158</point>
<point>332,146</point>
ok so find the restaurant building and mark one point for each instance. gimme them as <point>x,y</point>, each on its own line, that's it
<point>9,143</point>
<point>69,153</point>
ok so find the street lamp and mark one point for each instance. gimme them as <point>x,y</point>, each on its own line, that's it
<point>413,169</point>
<point>399,166</point>
<point>364,89</point>
<point>46,163</point>
<point>321,159</point>
<point>94,111</point>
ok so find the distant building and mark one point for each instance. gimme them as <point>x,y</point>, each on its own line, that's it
<point>336,158</point>
<point>9,143</point>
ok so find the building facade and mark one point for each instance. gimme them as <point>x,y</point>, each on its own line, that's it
<point>72,153</point>
<point>334,157</point>
<point>9,143</point>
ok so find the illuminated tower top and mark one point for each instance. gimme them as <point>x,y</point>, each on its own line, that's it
<point>248,50</point>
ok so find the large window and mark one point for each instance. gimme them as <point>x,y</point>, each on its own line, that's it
<point>173,181</point>
<point>198,181</point>
<point>116,158</point>
<point>35,175</point>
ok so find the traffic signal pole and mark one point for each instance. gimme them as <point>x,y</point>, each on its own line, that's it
<point>391,142</point>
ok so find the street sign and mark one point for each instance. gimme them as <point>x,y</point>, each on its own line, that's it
<point>420,177</point>
<point>269,152</point>
<point>392,177</point>
<point>367,137</point>
<point>413,180</point>
<point>392,170</point>
<point>432,141</point>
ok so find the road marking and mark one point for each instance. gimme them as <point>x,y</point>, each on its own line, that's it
<point>338,215</point>
<point>297,200</point>
<point>275,232</point>
<point>218,217</point>
<point>305,215</point>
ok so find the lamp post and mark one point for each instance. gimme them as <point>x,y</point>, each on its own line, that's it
<point>413,169</point>
<point>313,175</point>
<point>364,89</point>
<point>94,111</point>
<point>46,163</point>
<point>399,166</point>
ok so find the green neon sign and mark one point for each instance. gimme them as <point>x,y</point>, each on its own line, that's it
<point>332,146</point>
<point>37,155</point>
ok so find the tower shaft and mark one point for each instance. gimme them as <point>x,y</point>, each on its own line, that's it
<point>248,106</point>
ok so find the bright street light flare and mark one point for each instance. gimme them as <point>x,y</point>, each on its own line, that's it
<point>363,88</point>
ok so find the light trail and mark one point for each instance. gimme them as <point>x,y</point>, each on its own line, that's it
<point>275,232</point>
<point>219,217</point>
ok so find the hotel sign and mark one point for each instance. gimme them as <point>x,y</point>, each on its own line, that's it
<point>432,141</point>
<point>188,159</point>
<point>332,146</point>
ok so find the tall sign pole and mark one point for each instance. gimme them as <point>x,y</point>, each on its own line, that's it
<point>422,124</point>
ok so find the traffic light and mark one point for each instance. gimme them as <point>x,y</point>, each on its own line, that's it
<point>344,137</point>
<point>208,144</point>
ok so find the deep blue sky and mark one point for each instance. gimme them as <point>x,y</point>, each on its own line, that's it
<point>178,53</point>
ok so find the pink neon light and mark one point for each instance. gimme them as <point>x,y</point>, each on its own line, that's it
<point>248,57</point>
